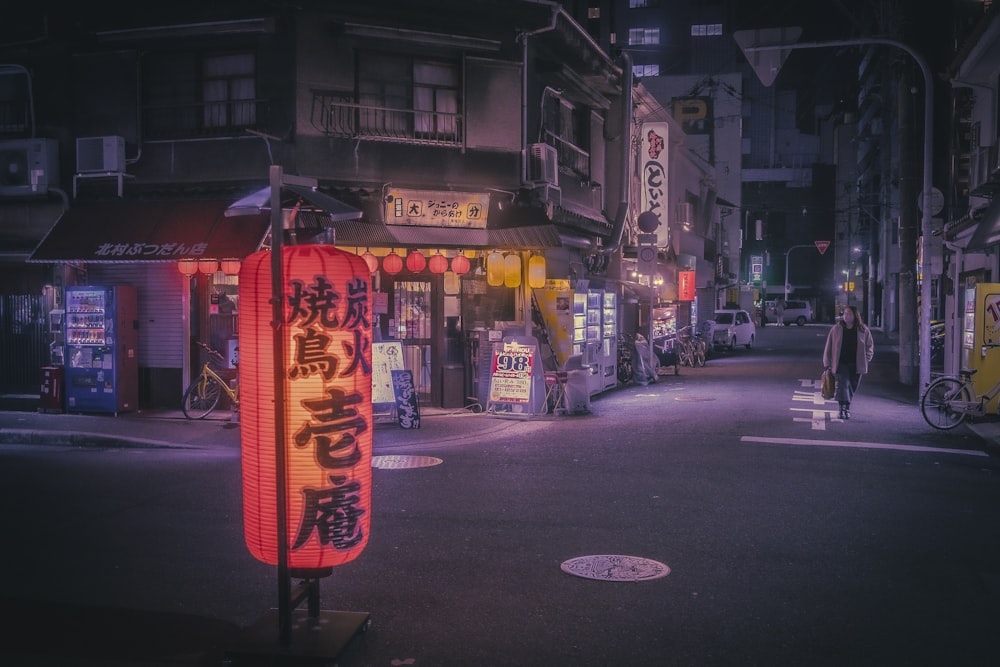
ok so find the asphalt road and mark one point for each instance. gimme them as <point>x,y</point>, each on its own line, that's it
<point>791,538</point>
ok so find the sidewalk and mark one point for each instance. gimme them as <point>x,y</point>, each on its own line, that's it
<point>987,429</point>
<point>170,429</point>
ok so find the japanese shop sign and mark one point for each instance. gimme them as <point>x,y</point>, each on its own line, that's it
<point>655,137</point>
<point>436,208</point>
<point>327,391</point>
<point>685,286</point>
<point>511,378</point>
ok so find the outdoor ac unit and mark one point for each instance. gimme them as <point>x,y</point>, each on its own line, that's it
<point>100,155</point>
<point>543,164</point>
<point>685,214</point>
<point>28,166</point>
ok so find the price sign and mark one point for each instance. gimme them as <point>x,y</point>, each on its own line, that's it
<point>511,381</point>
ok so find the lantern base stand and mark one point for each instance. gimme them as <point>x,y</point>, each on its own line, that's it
<point>315,640</point>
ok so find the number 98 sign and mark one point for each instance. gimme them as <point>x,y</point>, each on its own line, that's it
<point>511,381</point>
<point>512,363</point>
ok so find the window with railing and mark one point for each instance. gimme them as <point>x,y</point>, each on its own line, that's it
<point>398,99</point>
<point>191,94</point>
<point>567,128</point>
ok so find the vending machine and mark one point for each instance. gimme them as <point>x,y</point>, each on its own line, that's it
<point>101,360</point>
<point>981,336</point>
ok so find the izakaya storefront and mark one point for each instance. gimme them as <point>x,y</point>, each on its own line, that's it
<point>451,273</point>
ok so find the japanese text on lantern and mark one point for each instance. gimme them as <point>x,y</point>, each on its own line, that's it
<point>330,341</point>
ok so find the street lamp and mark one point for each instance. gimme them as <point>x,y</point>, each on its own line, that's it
<point>744,37</point>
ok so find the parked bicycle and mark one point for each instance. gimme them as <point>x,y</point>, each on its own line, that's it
<point>202,396</point>
<point>691,349</point>
<point>949,400</point>
<point>626,371</point>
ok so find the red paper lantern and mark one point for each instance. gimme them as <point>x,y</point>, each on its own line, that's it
<point>187,266</point>
<point>460,264</point>
<point>415,262</point>
<point>438,263</point>
<point>327,383</point>
<point>371,260</point>
<point>392,263</point>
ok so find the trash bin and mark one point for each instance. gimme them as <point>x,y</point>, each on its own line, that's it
<point>577,385</point>
<point>452,386</point>
<point>51,397</point>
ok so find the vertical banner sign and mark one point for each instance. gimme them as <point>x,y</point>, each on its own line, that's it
<point>511,380</point>
<point>685,286</point>
<point>327,372</point>
<point>655,138</point>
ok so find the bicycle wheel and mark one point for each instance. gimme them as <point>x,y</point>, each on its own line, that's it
<point>700,355</point>
<point>935,404</point>
<point>625,371</point>
<point>201,397</point>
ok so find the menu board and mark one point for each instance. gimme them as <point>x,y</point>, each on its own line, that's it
<point>386,357</point>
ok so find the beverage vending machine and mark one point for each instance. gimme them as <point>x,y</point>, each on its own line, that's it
<point>101,360</point>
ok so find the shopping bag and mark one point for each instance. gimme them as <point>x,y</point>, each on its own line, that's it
<point>829,384</point>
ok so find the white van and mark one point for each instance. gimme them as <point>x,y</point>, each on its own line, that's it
<point>795,312</point>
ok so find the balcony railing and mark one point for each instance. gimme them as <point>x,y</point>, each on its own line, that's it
<point>338,115</point>
<point>571,156</point>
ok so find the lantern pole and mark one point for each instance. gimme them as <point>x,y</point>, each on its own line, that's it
<point>281,483</point>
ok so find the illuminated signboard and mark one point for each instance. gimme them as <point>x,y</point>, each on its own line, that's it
<point>435,208</point>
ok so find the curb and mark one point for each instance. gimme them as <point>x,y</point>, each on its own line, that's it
<point>10,436</point>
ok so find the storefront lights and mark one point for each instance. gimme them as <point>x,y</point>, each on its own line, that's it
<point>460,264</point>
<point>415,262</point>
<point>512,270</point>
<point>371,260</point>
<point>208,266</point>
<point>188,267</point>
<point>495,269</point>
<point>536,271</point>
<point>392,263</point>
<point>438,263</point>
<point>452,282</point>
<point>230,267</point>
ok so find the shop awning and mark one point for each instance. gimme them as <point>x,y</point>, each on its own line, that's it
<point>151,231</point>
<point>380,235</point>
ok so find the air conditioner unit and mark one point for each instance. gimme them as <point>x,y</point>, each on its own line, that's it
<point>543,164</point>
<point>100,155</point>
<point>28,166</point>
<point>685,214</point>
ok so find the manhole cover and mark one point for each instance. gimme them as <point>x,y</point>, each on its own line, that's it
<point>400,462</point>
<point>693,399</point>
<point>615,568</point>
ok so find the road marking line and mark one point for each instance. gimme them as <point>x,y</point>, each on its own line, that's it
<point>858,445</point>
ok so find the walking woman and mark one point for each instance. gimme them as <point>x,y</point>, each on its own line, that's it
<point>849,348</point>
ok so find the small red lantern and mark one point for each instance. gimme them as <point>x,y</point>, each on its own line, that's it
<point>438,263</point>
<point>326,383</point>
<point>371,260</point>
<point>415,262</point>
<point>187,266</point>
<point>460,264</point>
<point>392,263</point>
